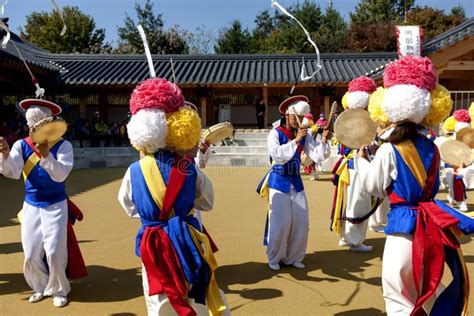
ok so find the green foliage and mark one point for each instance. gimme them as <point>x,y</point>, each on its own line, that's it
<point>233,40</point>
<point>160,41</point>
<point>44,28</point>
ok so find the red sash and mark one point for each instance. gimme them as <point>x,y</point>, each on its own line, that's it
<point>290,136</point>
<point>432,234</point>
<point>76,267</point>
<point>161,262</point>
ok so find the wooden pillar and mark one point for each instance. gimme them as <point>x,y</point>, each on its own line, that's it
<point>265,100</point>
<point>103,106</point>
<point>82,107</point>
<point>327,106</point>
<point>315,103</point>
<point>203,101</point>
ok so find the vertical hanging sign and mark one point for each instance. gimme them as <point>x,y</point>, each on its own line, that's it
<point>409,40</point>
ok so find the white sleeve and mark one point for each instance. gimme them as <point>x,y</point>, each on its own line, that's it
<point>125,196</point>
<point>201,159</point>
<point>204,199</point>
<point>12,167</point>
<point>59,169</point>
<point>376,176</point>
<point>280,154</point>
<point>317,151</point>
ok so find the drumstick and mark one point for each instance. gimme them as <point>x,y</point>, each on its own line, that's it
<point>297,117</point>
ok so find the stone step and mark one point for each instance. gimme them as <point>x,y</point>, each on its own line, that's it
<point>245,136</point>
<point>239,149</point>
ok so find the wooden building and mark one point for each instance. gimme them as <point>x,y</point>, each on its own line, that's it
<point>83,84</point>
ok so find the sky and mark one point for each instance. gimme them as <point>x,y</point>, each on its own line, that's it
<point>188,14</point>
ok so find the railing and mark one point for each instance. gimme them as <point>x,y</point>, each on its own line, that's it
<point>462,99</point>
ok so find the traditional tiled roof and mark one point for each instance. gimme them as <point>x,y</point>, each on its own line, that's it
<point>105,69</point>
<point>216,69</point>
<point>449,37</point>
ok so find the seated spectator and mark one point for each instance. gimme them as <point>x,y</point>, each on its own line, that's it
<point>101,130</point>
<point>115,134</point>
<point>84,133</point>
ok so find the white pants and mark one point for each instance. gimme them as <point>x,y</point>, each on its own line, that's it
<point>358,204</point>
<point>288,227</point>
<point>399,290</point>
<point>379,218</point>
<point>160,305</point>
<point>44,234</point>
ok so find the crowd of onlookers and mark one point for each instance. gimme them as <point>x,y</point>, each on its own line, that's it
<point>98,133</point>
<point>94,133</point>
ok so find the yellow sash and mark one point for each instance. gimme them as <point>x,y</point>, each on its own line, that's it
<point>412,159</point>
<point>156,185</point>
<point>343,183</point>
<point>29,165</point>
<point>33,160</point>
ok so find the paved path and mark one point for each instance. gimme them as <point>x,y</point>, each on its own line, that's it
<point>335,282</point>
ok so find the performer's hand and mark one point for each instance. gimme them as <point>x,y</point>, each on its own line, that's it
<point>4,148</point>
<point>203,147</point>
<point>363,152</point>
<point>326,135</point>
<point>302,132</point>
<point>43,150</point>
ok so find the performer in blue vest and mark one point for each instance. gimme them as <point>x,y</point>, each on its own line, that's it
<point>421,232</point>
<point>286,233</point>
<point>162,189</point>
<point>45,167</point>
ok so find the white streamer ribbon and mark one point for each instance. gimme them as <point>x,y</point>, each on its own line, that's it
<point>2,8</point>
<point>173,72</point>
<point>7,37</point>
<point>60,11</point>
<point>303,76</point>
<point>147,51</point>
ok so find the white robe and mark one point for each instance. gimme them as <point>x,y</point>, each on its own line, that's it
<point>399,289</point>
<point>44,230</point>
<point>288,215</point>
<point>200,161</point>
<point>204,200</point>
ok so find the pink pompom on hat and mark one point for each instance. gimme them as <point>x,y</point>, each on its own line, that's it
<point>359,92</point>
<point>462,116</point>
<point>417,71</point>
<point>309,116</point>
<point>364,84</point>
<point>156,93</point>
<point>408,82</point>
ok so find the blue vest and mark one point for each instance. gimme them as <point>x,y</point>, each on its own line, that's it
<point>283,176</point>
<point>402,217</point>
<point>41,190</point>
<point>147,208</point>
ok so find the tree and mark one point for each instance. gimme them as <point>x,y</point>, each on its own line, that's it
<point>434,21</point>
<point>233,40</point>
<point>43,29</point>
<point>331,36</point>
<point>202,41</point>
<point>372,25</point>
<point>160,41</point>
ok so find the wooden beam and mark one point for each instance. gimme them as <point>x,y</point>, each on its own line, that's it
<point>458,65</point>
<point>203,111</point>
<point>326,105</point>
<point>451,52</point>
<point>265,100</point>
<point>456,74</point>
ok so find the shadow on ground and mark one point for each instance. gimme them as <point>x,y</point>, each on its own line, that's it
<point>13,192</point>
<point>103,284</point>
<point>336,265</point>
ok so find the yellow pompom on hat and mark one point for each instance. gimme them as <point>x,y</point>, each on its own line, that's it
<point>449,124</point>
<point>471,113</point>
<point>410,93</point>
<point>184,130</point>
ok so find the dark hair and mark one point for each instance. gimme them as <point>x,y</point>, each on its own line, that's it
<point>283,120</point>
<point>403,131</point>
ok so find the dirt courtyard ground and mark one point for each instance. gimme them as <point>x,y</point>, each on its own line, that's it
<point>335,281</point>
